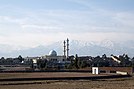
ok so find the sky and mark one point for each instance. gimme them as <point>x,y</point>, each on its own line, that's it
<point>30,23</point>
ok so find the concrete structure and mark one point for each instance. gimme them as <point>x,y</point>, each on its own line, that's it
<point>67,48</point>
<point>64,48</point>
<point>95,70</point>
<point>31,61</point>
<point>122,73</point>
<point>53,54</point>
<point>128,70</point>
<point>34,63</point>
<point>54,57</point>
<point>55,61</point>
<point>116,59</point>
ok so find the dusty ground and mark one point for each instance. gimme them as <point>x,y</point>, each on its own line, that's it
<point>123,83</point>
<point>46,74</point>
<point>116,83</point>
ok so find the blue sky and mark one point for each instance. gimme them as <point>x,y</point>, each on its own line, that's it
<point>31,23</point>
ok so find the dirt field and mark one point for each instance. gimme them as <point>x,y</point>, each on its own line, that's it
<point>115,83</point>
<point>46,74</point>
<point>123,83</point>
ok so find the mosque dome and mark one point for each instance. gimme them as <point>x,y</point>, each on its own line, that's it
<point>52,53</point>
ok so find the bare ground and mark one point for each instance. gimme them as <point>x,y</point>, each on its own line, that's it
<point>115,83</point>
<point>46,75</point>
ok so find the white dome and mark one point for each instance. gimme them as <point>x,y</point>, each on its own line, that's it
<point>53,53</point>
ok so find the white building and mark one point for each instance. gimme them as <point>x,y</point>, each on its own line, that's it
<point>95,70</point>
<point>52,56</point>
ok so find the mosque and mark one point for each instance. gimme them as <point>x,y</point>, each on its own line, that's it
<point>54,57</point>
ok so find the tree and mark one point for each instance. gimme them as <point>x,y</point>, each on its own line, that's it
<point>20,58</point>
<point>96,61</point>
<point>104,56</point>
<point>31,64</point>
<point>2,58</point>
<point>76,62</point>
<point>41,64</point>
<point>125,60</point>
<point>83,64</point>
<point>132,61</point>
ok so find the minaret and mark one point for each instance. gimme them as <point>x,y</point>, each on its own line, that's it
<point>67,48</point>
<point>64,49</point>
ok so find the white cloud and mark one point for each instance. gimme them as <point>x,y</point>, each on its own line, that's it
<point>85,3</point>
<point>44,27</point>
<point>125,19</point>
<point>31,40</point>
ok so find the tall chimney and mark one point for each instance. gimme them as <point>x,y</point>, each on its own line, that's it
<point>64,49</point>
<point>67,47</point>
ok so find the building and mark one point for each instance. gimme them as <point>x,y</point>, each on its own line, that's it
<point>95,70</point>
<point>52,56</point>
<point>55,61</point>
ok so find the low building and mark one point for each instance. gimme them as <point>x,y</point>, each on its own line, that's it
<point>95,70</point>
<point>55,61</point>
<point>54,57</point>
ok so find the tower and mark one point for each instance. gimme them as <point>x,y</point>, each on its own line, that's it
<point>64,48</point>
<point>67,48</point>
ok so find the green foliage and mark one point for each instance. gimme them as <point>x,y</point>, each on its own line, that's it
<point>41,64</point>
<point>76,62</point>
<point>2,58</point>
<point>20,58</point>
<point>83,64</point>
<point>132,61</point>
<point>70,66</point>
<point>125,60</point>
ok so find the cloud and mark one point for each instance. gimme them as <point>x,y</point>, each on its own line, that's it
<point>40,28</point>
<point>73,21</point>
<point>31,40</point>
<point>31,28</point>
<point>125,19</point>
<point>85,3</point>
